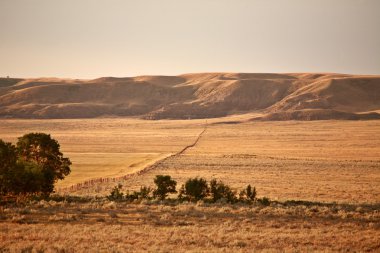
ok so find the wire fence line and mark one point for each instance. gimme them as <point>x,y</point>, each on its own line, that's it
<point>104,180</point>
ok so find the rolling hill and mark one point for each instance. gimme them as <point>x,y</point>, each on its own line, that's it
<point>299,96</point>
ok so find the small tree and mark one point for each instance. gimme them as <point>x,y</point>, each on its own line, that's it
<point>165,185</point>
<point>219,190</point>
<point>194,189</point>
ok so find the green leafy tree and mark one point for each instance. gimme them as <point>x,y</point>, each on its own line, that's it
<point>27,177</point>
<point>165,185</point>
<point>8,159</point>
<point>44,152</point>
<point>194,189</point>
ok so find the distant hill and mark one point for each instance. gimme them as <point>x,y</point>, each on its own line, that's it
<point>299,96</point>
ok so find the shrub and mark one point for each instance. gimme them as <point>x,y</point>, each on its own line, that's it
<point>116,194</point>
<point>165,185</point>
<point>194,189</point>
<point>264,201</point>
<point>145,192</point>
<point>219,191</point>
<point>248,194</point>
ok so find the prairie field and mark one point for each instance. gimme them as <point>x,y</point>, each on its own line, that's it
<point>333,165</point>
<point>104,226</point>
<point>333,161</point>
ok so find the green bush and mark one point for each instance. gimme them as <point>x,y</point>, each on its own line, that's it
<point>194,189</point>
<point>220,191</point>
<point>165,185</point>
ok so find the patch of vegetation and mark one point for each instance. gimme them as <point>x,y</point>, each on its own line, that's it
<point>194,189</point>
<point>222,192</point>
<point>116,193</point>
<point>248,194</point>
<point>264,201</point>
<point>34,165</point>
<point>164,186</point>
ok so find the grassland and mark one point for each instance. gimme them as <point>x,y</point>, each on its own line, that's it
<point>103,226</point>
<point>100,148</point>
<point>334,162</point>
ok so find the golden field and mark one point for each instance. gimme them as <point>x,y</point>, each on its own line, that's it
<point>103,226</point>
<point>317,161</point>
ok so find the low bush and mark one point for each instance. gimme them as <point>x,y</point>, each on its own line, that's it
<point>194,189</point>
<point>144,193</point>
<point>248,194</point>
<point>116,194</point>
<point>220,191</point>
<point>165,185</point>
<point>264,201</point>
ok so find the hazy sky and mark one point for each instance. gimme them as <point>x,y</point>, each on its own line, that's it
<point>86,39</point>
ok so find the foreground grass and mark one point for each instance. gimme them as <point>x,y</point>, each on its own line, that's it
<point>99,225</point>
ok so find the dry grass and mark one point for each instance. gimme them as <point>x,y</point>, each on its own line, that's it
<point>327,161</point>
<point>316,161</point>
<point>102,148</point>
<point>120,227</point>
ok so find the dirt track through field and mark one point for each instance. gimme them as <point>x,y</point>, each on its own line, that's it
<point>93,182</point>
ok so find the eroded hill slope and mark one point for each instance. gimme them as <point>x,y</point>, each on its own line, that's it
<point>303,96</point>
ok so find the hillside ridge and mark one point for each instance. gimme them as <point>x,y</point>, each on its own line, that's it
<point>277,96</point>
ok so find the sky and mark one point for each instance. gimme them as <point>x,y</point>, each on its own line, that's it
<point>94,38</point>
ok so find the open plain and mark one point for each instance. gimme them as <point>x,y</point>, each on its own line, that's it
<point>334,161</point>
<point>333,165</point>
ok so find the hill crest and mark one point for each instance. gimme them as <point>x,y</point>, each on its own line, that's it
<point>302,96</point>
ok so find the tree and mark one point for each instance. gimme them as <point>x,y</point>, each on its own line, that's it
<point>219,190</point>
<point>194,189</point>
<point>44,154</point>
<point>165,185</point>
<point>27,177</point>
<point>8,159</point>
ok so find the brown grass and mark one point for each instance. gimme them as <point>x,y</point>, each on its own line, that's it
<point>328,161</point>
<point>316,161</point>
<point>121,227</point>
